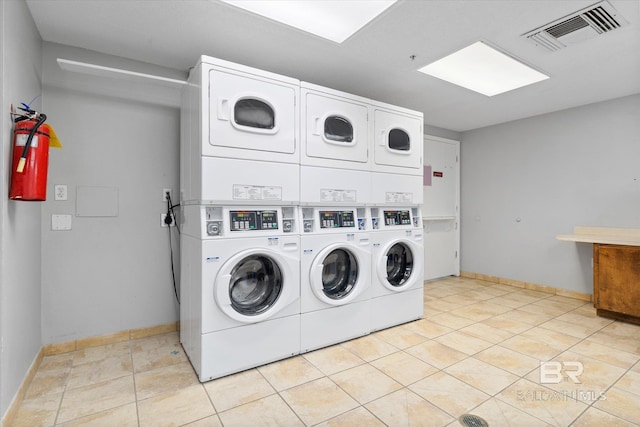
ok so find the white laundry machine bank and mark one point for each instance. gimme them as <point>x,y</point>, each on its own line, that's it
<point>397,266</point>
<point>335,276</point>
<point>240,139</point>
<point>240,287</point>
<point>335,159</point>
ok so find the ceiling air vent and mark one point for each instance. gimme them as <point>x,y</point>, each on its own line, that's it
<point>585,24</point>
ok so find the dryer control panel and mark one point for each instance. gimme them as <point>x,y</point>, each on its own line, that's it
<point>253,220</point>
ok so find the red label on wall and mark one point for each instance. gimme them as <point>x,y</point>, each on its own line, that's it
<point>437,174</point>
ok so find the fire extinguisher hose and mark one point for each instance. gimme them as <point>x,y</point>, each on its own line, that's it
<point>23,158</point>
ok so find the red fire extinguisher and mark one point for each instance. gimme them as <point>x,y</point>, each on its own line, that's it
<point>30,157</point>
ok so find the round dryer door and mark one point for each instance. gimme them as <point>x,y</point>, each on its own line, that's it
<point>338,274</point>
<point>253,287</point>
<point>396,267</point>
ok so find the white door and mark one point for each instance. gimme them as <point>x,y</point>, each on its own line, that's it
<point>398,142</point>
<point>251,117</point>
<point>335,129</point>
<point>440,211</point>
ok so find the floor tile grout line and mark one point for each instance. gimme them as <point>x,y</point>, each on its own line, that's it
<point>133,378</point>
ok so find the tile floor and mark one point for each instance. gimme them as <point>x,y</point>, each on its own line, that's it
<point>478,350</point>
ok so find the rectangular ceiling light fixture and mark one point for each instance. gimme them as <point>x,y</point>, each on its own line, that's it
<point>336,20</point>
<point>483,69</point>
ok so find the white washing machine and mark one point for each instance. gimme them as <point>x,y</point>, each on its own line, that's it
<point>240,287</point>
<point>335,160</point>
<point>240,135</point>
<point>335,269</point>
<point>397,267</point>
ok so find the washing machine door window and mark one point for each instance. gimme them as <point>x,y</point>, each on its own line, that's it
<point>255,285</point>
<point>339,274</point>
<point>338,129</point>
<point>399,264</point>
<point>254,113</point>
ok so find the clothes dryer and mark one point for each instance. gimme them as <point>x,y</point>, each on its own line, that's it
<point>335,276</point>
<point>240,290</point>
<point>397,267</point>
<point>397,165</point>
<point>240,135</point>
<point>335,159</point>
<point>397,139</point>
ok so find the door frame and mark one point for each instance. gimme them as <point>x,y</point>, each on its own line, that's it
<point>456,217</point>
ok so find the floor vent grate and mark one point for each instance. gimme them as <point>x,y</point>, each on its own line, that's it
<point>469,420</point>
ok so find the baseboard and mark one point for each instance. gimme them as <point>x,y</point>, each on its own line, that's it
<point>130,334</point>
<point>9,416</point>
<point>69,346</point>
<point>526,285</point>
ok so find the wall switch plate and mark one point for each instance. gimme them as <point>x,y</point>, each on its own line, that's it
<point>60,192</point>
<point>60,222</point>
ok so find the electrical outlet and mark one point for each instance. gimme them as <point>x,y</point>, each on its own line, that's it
<point>60,192</point>
<point>164,224</point>
<point>164,194</point>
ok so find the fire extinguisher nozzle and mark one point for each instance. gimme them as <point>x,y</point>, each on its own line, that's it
<point>21,164</point>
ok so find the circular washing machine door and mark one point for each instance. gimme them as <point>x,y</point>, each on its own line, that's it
<point>397,265</point>
<point>254,285</point>
<point>339,273</point>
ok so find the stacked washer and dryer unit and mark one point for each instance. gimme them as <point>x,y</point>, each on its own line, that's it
<point>335,190</point>
<point>301,222</point>
<point>397,236</point>
<point>240,243</point>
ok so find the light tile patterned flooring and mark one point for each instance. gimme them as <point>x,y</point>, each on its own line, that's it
<point>478,350</point>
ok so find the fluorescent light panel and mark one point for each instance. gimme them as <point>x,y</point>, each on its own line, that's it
<point>483,69</point>
<point>336,20</point>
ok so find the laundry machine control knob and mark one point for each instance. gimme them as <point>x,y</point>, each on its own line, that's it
<point>308,226</point>
<point>213,228</point>
<point>287,226</point>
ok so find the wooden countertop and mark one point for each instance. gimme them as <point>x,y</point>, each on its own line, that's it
<point>606,235</point>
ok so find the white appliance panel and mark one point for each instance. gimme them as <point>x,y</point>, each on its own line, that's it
<point>396,309</point>
<point>251,116</point>
<point>234,350</point>
<point>390,189</point>
<point>233,181</point>
<point>327,327</point>
<point>334,187</point>
<point>397,141</point>
<point>335,129</point>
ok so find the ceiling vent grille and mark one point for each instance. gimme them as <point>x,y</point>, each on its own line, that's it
<point>585,24</point>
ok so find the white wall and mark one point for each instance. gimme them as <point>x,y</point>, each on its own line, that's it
<point>107,274</point>
<point>526,181</point>
<point>19,221</point>
<point>441,132</point>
